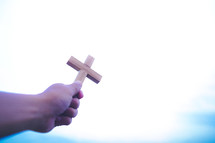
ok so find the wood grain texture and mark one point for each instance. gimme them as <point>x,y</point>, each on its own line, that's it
<point>84,69</point>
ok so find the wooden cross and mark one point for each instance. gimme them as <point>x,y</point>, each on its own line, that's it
<point>84,69</point>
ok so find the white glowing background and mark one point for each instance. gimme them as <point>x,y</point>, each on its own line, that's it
<point>156,59</point>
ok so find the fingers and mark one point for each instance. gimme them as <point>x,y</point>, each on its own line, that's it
<point>63,120</point>
<point>70,112</point>
<point>75,87</point>
<point>66,117</point>
<point>80,95</point>
<point>75,103</point>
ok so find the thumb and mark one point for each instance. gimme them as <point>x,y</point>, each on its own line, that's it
<point>75,87</point>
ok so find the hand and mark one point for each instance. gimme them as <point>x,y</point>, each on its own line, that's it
<point>58,105</point>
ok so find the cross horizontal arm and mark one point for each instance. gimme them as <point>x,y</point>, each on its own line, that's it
<point>91,74</point>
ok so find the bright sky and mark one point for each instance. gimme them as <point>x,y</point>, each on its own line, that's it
<point>156,58</point>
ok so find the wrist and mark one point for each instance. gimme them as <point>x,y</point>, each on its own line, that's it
<point>35,113</point>
<point>42,120</point>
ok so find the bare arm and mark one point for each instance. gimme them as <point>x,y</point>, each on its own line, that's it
<point>55,106</point>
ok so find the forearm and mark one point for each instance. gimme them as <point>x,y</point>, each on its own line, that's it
<point>18,112</point>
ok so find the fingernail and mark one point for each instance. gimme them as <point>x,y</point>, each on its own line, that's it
<point>80,95</point>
